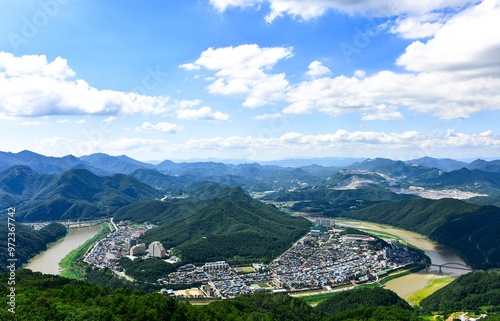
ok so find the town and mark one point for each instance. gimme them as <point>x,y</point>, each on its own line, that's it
<point>323,259</point>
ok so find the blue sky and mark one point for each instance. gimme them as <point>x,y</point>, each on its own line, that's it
<point>251,79</point>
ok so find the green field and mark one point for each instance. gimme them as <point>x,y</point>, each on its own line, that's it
<point>247,269</point>
<point>433,286</point>
<point>72,264</point>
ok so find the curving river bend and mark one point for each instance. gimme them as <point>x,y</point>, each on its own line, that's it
<point>409,284</point>
<point>48,261</point>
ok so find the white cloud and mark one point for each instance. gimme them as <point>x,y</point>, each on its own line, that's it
<point>204,113</point>
<point>77,147</point>
<point>406,145</point>
<point>317,69</point>
<point>268,116</point>
<point>161,126</point>
<point>417,27</point>
<point>222,5</point>
<point>383,112</point>
<point>360,73</point>
<point>189,66</point>
<point>69,121</point>
<point>244,70</point>
<point>188,103</point>
<point>32,86</point>
<point>468,42</point>
<point>434,93</point>
<point>307,10</point>
<point>109,119</point>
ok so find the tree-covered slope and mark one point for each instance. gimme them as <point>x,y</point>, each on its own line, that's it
<point>230,230</point>
<point>74,194</point>
<point>468,292</point>
<point>366,304</point>
<point>27,241</point>
<point>472,230</point>
<point>48,297</point>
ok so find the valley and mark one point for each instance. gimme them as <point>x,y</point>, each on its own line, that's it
<point>211,231</point>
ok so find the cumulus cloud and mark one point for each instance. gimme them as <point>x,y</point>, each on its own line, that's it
<point>245,70</point>
<point>317,69</point>
<point>468,42</point>
<point>434,93</point>
<point>418,27</point>
<point>164,127</point>
<point>454,74</point>
<point>307,10</point>
<point>189,66</point>
<point>78,147</point>
<point>203,113</point>
<point>33,86</point>
<point>342,141</point>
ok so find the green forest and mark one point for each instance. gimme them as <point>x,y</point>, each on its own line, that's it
<point>221,224</point>
<point>45,297</point>
<point>48,297</point>
<point>28,242</point>
<point>471,230</point>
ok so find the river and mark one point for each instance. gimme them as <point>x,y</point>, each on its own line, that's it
<point>48,261</point>
<point>409,284</point>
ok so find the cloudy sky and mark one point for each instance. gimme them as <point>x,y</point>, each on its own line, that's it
<point>251,79</point>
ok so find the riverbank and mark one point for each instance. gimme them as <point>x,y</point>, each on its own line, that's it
<point>47,262</point>
<point>72,265</point>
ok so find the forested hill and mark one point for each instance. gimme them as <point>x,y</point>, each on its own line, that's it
<point>48,297</point>
<point>229,225</point>
<point>74,194</point>
<point>471,230</point>
<point>469,292</point>
<point>28,242</point>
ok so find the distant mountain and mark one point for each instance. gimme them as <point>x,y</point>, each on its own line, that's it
<point>393,168</point>
<point>321,161</point>
<point>464,179</point>
<point>471,230</point>
<point>74,194</point>
<point>491,166</point>
<point>444,164</point>
<point>114,164</point>
<point>39,163</point>
<point>160,181</point>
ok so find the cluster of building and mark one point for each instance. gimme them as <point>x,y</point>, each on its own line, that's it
<point>322,259</point>
<point>122,242</point>
<point>327,259</point>
<point>220,280</point>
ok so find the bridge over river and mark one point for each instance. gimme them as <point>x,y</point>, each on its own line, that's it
<point>448,265</point>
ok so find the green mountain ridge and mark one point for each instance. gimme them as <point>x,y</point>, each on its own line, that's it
<point>223,224</point>
<point>48,297</point>
<point>74,194</point>
<point>471,230</point>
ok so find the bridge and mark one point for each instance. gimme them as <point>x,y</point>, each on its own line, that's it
<point>449,265</point>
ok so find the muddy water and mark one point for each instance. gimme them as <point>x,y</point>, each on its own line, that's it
<point>407,285</point>
<point>48,261</point>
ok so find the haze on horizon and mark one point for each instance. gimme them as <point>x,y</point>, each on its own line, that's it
<point>251,79</point>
